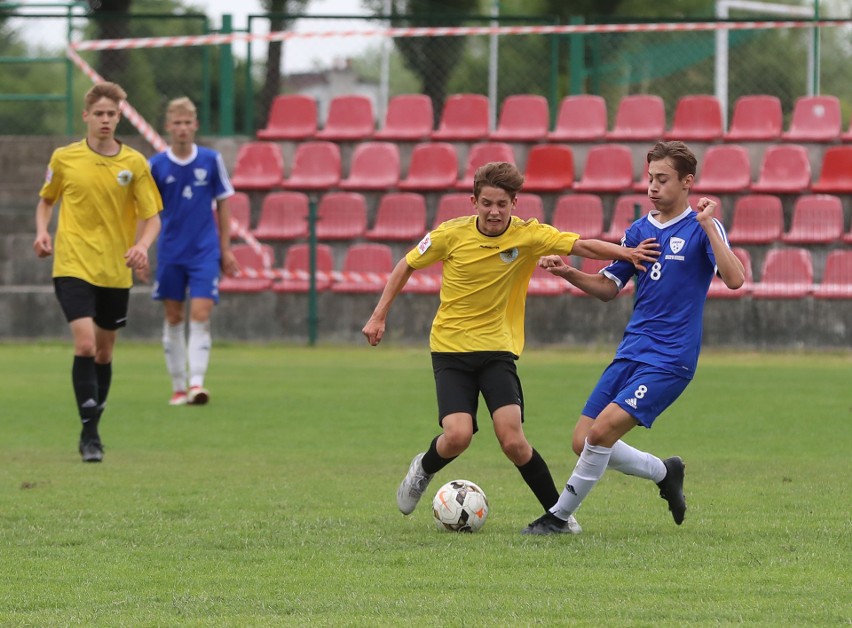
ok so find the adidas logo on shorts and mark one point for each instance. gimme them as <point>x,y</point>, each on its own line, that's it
<point>631,402</point>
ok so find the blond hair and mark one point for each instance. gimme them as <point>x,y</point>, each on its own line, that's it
<point>112,91</point>
<point>181,105</point>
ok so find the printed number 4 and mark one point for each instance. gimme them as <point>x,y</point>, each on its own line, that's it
<point>187,192</point>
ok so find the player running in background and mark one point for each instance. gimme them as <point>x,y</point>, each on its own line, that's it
<point>659,352</point>
<point>191,251</point>
<point>478,331</point>
<point>106,192</point>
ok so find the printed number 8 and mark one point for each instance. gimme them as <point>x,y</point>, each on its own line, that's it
<point>640,392</point>
<point>656,271</point>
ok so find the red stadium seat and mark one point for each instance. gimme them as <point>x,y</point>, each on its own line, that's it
<point>697,118</point>
<point>291,117</point>
<point>529,206</point>
<point>400,217</point>
<point>847,137</point>
<point>624,215</point>
<point>375,166</point>
<point>341,216</point>
<point>434,166</point>
<point>579,213</point>
<point>550,168</point>
<point>481,154</point>
<point>592,266</point>
<point>787,274</point>
<point>409,118</point>
<point>523,118</point>
<point>756,118</point>
<point>817,219</point>
<point>259,166</point>
<point>726,169</point>
<point>609,168</point>
<point>316,166</point>
<point>365,269</point>
<point>718,289</point>
<point>255,274</point>
<point>785,169</point>
<point>837,279</point>
<point>581,119</point>
<point>283,216</point>
<point>297,269</point>
<point>240,206</point>
<point>464,118</point>
<point>542,283</point>
<point>640,117</point>
<point>349,118</point>
<point>815,119</point>
<point>836,174</point>
<point>426,280</point>
<point>453,206</point>
<point>758,219</point>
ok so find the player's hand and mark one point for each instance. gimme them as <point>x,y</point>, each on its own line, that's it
<point>374,330</point>
<point>647,251</point>
<point>43,245</point>
<point>143,274</point>
<point>550,261</point>
<point>230,265</point>
<point>705,208</point>
<point>136,257</point>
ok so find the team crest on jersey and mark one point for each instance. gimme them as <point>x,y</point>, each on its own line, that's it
<point>200,175</point>
<point>424,244</point>
<point>509,255</point>
<point>676,244</point>
<point>124,177</point>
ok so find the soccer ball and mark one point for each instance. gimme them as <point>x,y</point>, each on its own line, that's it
<point>460,506</point>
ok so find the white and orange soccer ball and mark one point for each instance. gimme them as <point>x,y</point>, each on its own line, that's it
<point>460,506</point>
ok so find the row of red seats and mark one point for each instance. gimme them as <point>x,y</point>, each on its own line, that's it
<point>402,217</point>
<point>582,118</point>
<point>725,168</point>
<point>786,273</point>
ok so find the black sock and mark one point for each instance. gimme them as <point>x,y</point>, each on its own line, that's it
<point>538,478</point>
<point>104,376</point>
<point>432,461</point>
<point>85,383</point>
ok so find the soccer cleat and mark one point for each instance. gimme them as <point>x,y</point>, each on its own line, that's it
<point>549,523</point>
<point>198,396</point>
<point>671,488</point>
<point>413,485</point>
<point>178,399</point>
<point>91,450</point>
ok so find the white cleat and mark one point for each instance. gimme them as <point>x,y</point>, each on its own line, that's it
<point>413,486</point>
<point>198,396</point>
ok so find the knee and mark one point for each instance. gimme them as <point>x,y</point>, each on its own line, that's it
<point>578,443</point>
<point>516,448</point>
<point>456,441</point>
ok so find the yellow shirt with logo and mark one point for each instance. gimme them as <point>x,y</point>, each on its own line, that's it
<point>485,280</point>
<point>102,199</point>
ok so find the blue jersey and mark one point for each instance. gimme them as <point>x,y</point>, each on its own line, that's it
<point>189,187</point>
<point>665,328</point>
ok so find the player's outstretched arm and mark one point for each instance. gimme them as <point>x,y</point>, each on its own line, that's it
<point>596,285</point>
<point>375,327</point>
<point>646,251</point>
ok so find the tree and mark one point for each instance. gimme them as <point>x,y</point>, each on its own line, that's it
<point>277,9</point>
<point>113,23</point>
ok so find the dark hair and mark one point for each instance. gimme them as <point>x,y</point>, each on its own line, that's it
<point>108,90</point>
<point>498,174</point>
<point>682,159</point>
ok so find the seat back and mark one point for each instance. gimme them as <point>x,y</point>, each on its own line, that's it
<point>529,206</point>
<point>481,154</point>
<point>624,215</point>
<point>365,268</point>
<point>452,206</point>
<point>817,219</point>
<point>815,119</point>
<point>341,216</point>
<point>409,118</point>
<point>464,117</point>
<point>579,213</point>
<point>755,118</point>
<point>400,217</point>
<point>259,166</point>
<point>609,168</point>
<point>787,265</point>
<point>240,206</point>
<point>581,118</point>
<point>785,168</point>
<point>433,166</point>
<point>836,173</point>
<point>283,216</point>
<point>726,168</point>
<point>291,117</point>
<point>350,117</point>
<point>316,166</point>
<point>697,117</point>
<point>523,117</point>
<point>550,168</point>
<point>375,166</point>
<point>297,267</point>
<point>758,219</point>
<point>640,117</point>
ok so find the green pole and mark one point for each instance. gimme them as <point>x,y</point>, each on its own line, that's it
<point>248,118</point>
<point>554,78</point>
<point>206,86</point>
<point>816,85</point>
<point>226,82</point>
<point>313,317</point>
<point>69,80</point>
<point>577,59</point>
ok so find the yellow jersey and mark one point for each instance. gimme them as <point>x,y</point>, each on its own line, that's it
<point>485,281</point>
<point>101,200</point>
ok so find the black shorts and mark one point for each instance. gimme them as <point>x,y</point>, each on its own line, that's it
<point>460,377</point>
<point>80,299</point>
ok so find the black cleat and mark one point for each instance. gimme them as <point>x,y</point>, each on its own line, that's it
<point>549,523</point>
<point>91,450</point>
<point>671,488</point>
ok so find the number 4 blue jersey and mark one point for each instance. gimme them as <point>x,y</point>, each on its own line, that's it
<point>665,328</point>
<point>189,187</point>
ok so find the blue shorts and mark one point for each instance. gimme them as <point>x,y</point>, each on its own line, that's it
<point>172,280</point>
<point>641,390</point>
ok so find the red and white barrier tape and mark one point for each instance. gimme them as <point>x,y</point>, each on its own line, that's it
<point>447,31</point>
<point>417,280</point>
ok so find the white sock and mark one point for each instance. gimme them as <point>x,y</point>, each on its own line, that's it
<point>174,345</point>
<point>632,461</point>
<point>199,351</point>
<point>589,469</point>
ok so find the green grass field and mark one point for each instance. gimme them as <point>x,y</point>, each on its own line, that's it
<point>274,505</point>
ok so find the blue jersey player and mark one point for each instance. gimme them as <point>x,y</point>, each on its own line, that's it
<point>659,352</point>
<point>191,250</point>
